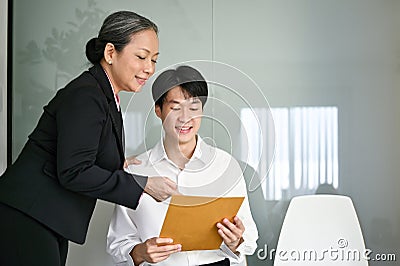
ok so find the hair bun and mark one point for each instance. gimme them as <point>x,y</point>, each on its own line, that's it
<point>91,53</point>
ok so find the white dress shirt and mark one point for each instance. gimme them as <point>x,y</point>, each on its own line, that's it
<point>210,172</point>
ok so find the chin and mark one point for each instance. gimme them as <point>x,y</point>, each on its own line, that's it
<point>137,89</point>
<point>185,139</point>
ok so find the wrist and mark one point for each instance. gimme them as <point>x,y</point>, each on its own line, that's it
<point>234,249</point>
<point>137,259</point>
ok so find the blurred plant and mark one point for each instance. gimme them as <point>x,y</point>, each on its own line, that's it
<point>66,48</point>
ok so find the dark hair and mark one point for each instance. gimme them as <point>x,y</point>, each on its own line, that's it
<point>117,29</point>
<point>189,79</point>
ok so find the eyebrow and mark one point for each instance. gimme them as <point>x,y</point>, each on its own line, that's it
<point>174,101</point>
<point>195,101</point>
<point>148,51</point>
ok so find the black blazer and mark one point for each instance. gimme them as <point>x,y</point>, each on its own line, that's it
<point>73,157</point>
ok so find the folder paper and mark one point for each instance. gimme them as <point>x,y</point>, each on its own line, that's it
<point>191,220</point>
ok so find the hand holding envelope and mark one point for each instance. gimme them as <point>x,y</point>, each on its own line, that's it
<point>193,223</point>
<point>154,250</point>
<point>202,223</point>
<point>231,233</point>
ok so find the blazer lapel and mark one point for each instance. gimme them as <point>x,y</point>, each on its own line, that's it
<point>116,117</point>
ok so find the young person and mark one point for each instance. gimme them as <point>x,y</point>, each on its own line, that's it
<point>75,154</point>
<point>198,169</point>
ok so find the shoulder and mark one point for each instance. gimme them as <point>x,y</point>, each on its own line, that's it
<point>82,93</point>
<point>219,159</point>
<point>224,156</point>
<point>144,156</point>
<point>85,84</point>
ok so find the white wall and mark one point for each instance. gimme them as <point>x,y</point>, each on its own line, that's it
<point>3,84</point>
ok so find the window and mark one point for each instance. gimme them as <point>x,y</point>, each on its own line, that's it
<point>293,150</point>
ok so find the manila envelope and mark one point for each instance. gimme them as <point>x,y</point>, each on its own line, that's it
<point>191,220</point>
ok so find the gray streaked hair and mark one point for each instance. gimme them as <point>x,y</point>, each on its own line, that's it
<point>118,29</point>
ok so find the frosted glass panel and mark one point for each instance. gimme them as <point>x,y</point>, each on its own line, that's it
<point>49,50</point>
<point>327,53</point>
<point>50,39</point>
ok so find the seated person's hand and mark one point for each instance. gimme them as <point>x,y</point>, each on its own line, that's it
<point>161,188</point>
<point>151,252</point>
<point>131,160</point>
<point>231,233</point>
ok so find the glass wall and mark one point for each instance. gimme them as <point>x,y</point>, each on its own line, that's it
<point>303,93</point>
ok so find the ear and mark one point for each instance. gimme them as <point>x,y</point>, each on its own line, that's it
<point>109,51</point>
<point>157,110</point>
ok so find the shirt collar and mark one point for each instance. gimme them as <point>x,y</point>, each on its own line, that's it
<point>203,152</point>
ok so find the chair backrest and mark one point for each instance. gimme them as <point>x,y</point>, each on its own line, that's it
<point>321,230</point>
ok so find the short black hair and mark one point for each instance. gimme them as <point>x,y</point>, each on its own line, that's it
<point>189,79</point>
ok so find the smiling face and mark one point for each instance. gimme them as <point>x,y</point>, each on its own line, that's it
<point>181,116</point>
<point>130,68</point>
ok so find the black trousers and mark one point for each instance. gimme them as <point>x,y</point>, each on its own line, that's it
<point>224,262</point>
<point>26,242</point>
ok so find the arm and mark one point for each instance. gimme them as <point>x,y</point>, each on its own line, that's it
<point>124,243</point>
<point>153,250</point>
<point>122,235</point>
<point>88,159</point>
<point>240,236</point>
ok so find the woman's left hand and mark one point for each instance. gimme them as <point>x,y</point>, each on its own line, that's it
<point>231,233</point>
<point>131,160</point>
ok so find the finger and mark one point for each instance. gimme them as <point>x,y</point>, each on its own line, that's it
<point>135,161</point>
<point>161,240</point>
<point>233,228</point>
<point>171,184</point>
<point>167,249</point>
<point>132,160</point>
<point>239,224</point>
<point>228,241</point>
<point>159,257</point>
<point>177,193</point>
<point>237,227</point>
<point>227,232</point>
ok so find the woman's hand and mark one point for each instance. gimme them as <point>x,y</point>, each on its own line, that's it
<point>151,252</point>
<point>161,188</point>
<point>231,233</point>
<point>131,160</point>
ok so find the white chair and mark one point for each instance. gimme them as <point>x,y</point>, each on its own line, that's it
<point>321,230</point>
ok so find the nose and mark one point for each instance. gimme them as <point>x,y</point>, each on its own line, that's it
<point>149,67</point>
<point>184,115</point>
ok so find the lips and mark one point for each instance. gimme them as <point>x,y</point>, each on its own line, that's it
<point>140,80</point>
<point>184,129</point>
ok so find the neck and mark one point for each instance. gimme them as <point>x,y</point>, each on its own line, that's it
<point>179,152</point>
<point>106,68</point>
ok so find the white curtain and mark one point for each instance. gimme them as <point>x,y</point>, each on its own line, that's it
<point>294,150</point>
